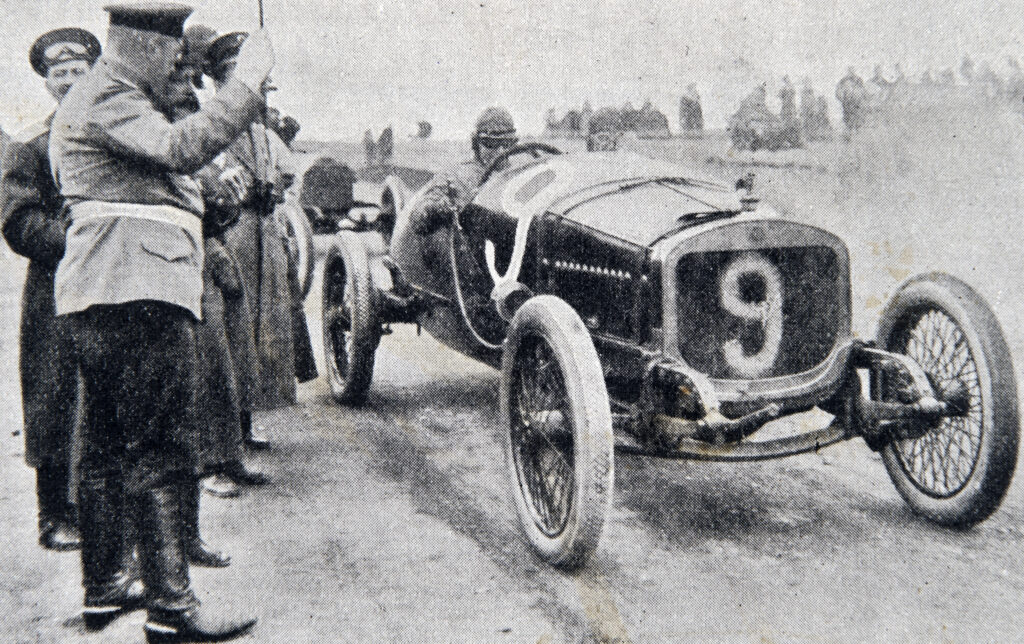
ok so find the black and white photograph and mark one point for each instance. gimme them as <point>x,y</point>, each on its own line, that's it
<point>595,322</point>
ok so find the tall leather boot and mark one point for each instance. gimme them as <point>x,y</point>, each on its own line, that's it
<point>174,612</point>
<point>248,439</point>
<point>109,592</point>
<point>130,566</point>
<point>197,550</point>
<point>58,528</point>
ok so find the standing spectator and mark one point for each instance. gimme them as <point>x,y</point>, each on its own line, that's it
<point>851,94</point>
<point>286,128</point>
<point>878,88</point>
<point>787,96</point>
<point>808,109</point>
<point>1015,85</point>
<point>219,396</point>
<point>691,114</point>
<point>822,123</point>
<point>258,243</point>
<point>130,284</point>
<point>967,69</point>
<point>605,129</point>
<point>370,147</point>
<point>33,225</point>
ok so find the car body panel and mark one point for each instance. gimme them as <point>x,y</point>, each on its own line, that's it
<point>614,234</point>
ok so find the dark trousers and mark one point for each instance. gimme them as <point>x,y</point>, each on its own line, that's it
<point>52,492</point>
<point>138,363</point>
<point>139,368</point>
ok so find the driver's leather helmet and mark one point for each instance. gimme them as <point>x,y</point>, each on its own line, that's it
<point>494,127</point>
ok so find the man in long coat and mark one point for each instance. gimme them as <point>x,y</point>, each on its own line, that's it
<point>219,437</point>
<point>258,241</point>
<point>226,338</point>
<point>33,225</point>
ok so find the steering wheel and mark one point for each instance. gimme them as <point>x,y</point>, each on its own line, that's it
<point>533,148</point>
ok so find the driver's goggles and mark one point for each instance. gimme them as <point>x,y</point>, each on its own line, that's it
<point>492,143</point>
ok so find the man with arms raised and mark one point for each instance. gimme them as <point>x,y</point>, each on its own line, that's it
<point>130,283</point>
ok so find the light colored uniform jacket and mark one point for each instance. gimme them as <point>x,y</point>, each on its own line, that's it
<point>136,231</point>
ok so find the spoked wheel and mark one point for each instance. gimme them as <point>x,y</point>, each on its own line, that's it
<point>558,442</point>
<point>351,322</point>
<point>958,470</point>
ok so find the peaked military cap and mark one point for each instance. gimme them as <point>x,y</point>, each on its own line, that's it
<point>167,18</point>
<point>224,49</point>
<point>61,45</point>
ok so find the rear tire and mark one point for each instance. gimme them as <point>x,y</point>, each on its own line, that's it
<point>351,322</point>
<point>558,431</point>
<point>958,472</point>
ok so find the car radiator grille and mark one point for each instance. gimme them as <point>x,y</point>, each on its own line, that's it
<point>759,313</point>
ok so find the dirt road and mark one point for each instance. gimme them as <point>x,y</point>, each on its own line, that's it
<point>393,524</point>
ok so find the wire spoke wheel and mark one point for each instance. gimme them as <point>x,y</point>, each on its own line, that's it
<point>543,454</point>
<point>940,462</point>
<point>955,472</point>
<point>558,437</point>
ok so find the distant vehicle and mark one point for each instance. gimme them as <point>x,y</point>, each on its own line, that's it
<point>635,305</point>
<point>763,131</point>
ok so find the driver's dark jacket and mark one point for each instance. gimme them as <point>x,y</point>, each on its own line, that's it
<point>448,193</point>
<point>33,224</point>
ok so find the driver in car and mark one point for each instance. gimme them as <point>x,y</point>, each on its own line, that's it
<point>452,190</point>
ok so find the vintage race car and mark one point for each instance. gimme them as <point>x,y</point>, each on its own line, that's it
<point>637,306</point>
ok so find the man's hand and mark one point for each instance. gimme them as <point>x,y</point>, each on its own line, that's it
<point>255,60</point>
<point>234,184</point>
<point>224,271</point>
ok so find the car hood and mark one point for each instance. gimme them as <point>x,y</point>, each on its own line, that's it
<point>634,198</point>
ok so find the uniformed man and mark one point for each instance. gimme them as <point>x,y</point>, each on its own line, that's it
<point>130,283</point>
<point>33,225</point>
<point>452,189</point>
<point>287,128</point>
<point>219,438</point>
<point>258,241</point>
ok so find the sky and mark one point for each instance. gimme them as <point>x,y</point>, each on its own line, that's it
<point>343,67</point>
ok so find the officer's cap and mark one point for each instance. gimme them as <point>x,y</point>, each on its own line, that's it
<point>223,50</point>
<point>61,45</point>
<point>167,18</point>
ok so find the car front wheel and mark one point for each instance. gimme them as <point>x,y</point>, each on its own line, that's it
<point>957,472</point>
<point>557,431</point>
